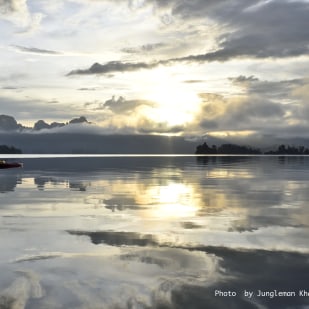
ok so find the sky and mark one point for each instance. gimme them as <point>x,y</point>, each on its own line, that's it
<point>173,67</point>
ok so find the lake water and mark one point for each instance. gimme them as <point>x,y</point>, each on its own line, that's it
<point>155,232</point>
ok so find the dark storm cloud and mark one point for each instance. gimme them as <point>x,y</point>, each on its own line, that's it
<point>34,50</point>
<point>262,30</point>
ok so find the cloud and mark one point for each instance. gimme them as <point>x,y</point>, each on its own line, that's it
<point>32,109</point>
<point>147,126</point>
<point>9,88</point>
<point>33,50</point>
<point>123,106</point>
<point>87,89</point>
<point>277,90</point>
<point>120,119</point>
<point>243,79</point>
<point>17,12</point>
<point>144,48</point>
<point>209,124</point>
<point>301,108</point>
<point>260,30</point>
<point>25,287</point>
<point>114,66</point>
<point>13,77</point>
<point>240,113</point>
<point>112,116</point>
<point>13,6</point>
<point>194,81</point>
<point>212,105</point>
<point>277,108</point>
<point>302,89</point>
<point>254,108</point>
<point>274,29</point>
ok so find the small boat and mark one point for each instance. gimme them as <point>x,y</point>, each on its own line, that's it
<point>4,164</point>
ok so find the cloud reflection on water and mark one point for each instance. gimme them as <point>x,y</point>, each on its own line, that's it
<point>133,278</point>
<point>156,234</point>
<point>218,193</point>
<point>158,277</point>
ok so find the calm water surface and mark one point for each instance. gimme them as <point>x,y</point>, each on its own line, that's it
<point>155,232</point>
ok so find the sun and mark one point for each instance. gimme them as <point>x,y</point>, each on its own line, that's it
<point>176,104</point>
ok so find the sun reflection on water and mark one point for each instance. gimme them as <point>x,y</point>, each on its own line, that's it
<point>173,200</point>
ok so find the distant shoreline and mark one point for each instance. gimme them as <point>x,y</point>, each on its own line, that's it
<point>37,155</point>
<point>234,149</point>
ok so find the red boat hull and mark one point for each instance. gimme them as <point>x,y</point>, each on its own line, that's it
<point>10,165</point>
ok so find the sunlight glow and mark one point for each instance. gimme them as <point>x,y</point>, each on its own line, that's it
<point>225,134</point>
<point>174,200</point>
<point>177,104</point>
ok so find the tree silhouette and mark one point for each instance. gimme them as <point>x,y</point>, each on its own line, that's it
<point>237,149</point>
<point>226,149</point>
<point>289,150</point>
<point>9,149</point>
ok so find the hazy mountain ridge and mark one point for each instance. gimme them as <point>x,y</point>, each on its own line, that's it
<point>89,143</point>
<point>81,136</point>
<point>9,123</point>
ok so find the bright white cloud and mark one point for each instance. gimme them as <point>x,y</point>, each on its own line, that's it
<point>17,12</point>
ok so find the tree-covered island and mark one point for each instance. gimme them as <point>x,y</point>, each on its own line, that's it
<point>238,149</point>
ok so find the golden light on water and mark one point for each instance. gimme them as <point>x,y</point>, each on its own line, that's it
<point>173,200</point>
<point>229,174</point>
